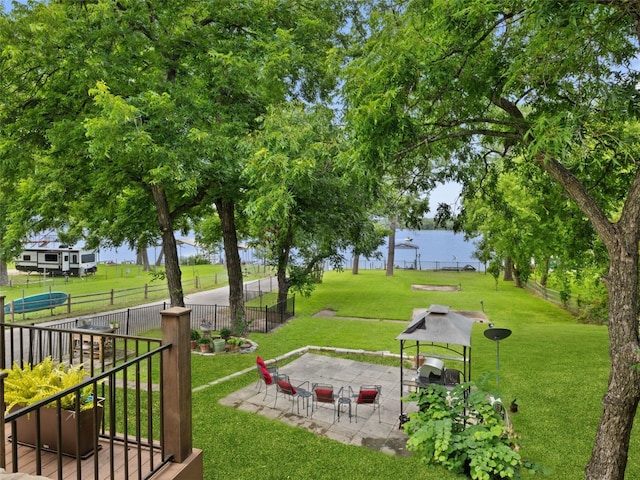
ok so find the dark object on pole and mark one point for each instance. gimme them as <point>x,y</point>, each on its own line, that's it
<point>497,334</point>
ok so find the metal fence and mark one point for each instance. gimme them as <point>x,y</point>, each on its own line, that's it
<point>138,320</point>
<point>88,302</point>
<point>427,265</point>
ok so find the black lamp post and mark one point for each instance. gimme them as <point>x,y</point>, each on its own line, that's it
<point>497,334</point>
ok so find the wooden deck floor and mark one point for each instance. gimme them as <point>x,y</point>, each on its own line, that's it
<point>114,460</point>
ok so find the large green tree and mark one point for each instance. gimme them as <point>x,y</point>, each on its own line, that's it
<point>19,217</point>
<point>308,202</point>
<point>134,109</point>
<point>523,216</point>
<point>553,82</point>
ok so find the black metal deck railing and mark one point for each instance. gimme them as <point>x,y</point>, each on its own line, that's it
<point>114,432</point>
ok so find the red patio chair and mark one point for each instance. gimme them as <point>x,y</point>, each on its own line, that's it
<point>284,386</point>
<point>368,394</point>
<point>266,375</point>
<point>323,393</point>
<point>272,367</point>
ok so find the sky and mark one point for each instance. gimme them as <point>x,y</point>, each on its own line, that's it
<point>6,4</point>
<point>445,193</point>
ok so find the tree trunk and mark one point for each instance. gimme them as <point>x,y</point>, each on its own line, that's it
<point>508,270</point>
<point>610,451</point>
<point>283,286</point>
<point>283,261</point>
<point>169,247</point>
<point>142,258</point>
<point>620,402</point>
<point>356,264</point>
<point>518,278</point>
<point>391,255</point>
<point>4,273</point>
<point>160,257</point>
<point>226,212</point>
<point>544,276</point>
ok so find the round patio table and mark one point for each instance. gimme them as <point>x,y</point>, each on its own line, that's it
<point>344,401</point>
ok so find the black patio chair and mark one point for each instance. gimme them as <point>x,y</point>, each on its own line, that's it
<point>266,375</point>
<point>368,395</point>
<point>324,393</point>
<point>284,386</point>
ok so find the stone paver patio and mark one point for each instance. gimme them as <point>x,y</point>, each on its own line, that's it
<point>384,435</point>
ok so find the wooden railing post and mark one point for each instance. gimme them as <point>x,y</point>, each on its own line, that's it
<point>176,368</point>
<point>3,459</point>
<point>2,377</point>
<point>3,345</point>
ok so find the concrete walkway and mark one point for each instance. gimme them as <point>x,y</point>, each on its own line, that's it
<point>220,296</point>
<point>382,435</point>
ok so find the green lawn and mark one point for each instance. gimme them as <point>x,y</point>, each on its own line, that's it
<point>555,367</point>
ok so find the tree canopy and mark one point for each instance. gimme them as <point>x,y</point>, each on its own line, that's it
<point>459,84</point>
<point>128,113</point>
<point>307,202</point>
<point>123,121</point>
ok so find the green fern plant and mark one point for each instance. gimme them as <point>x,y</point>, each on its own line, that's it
<point>29,384</point>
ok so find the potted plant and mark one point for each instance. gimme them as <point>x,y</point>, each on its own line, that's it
<point>29,384</point>
<point>235,343</point>
<point>225,333</point>
<point>205,344</point>
<point>195,338</point>
<point>114,325</point>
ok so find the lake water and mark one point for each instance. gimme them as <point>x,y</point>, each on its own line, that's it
<point>437,249</point>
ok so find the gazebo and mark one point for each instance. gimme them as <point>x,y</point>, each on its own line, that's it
<point>407,245</point>
<point>442,334</point>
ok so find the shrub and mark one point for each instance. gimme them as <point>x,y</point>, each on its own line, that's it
<point>462,431</point>
<point>225,333</point>
<point>237,341</point>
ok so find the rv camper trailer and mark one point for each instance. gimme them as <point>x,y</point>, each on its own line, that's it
<point>57,261</point>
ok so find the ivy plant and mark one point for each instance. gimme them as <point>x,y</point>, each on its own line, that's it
<point>461,430</point>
